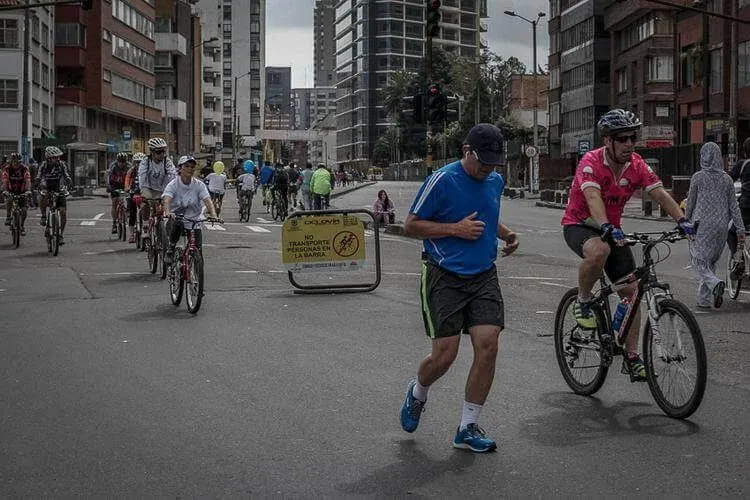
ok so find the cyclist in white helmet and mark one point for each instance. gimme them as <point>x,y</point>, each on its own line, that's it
<point>53,177</point>
<point>155,172</point>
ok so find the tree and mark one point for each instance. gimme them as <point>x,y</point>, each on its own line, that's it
<point>387,146</point>
<point>401,84</point>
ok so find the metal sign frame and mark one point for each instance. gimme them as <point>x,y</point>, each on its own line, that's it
<point>345,287</point>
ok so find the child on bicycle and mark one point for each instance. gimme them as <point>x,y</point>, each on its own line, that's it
<point>185,196</point>
<point>217,185</point>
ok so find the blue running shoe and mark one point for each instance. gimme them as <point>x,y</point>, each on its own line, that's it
<point>473,438</point>
<point>411,410</point>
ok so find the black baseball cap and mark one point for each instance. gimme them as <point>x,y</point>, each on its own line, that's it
<point>486,140</point>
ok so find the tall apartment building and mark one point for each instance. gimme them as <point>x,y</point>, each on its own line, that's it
<point>313,107</point>
<point>104,99</point>
<point>174,68</point>
<point>324,43</point>
<point>279,113</point>
<point>240,26</point>
<point>579,74</point>
<point>41,86</point>
<point>642,71</point>
<point>375,39</point>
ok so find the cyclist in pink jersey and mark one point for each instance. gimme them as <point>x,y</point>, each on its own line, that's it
<point>605,180</point>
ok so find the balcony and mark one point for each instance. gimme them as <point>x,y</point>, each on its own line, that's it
<point>70,57</point>
<point>209,72</point>
<point>171,42</point>
<point>70,116</point>
<point>70,95</point>
<point>172,109</point>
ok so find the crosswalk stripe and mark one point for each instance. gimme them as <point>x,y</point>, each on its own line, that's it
<point>258,229</point>
<point>211,227</point>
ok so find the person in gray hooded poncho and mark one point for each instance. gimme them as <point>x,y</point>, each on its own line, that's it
<point>711,201</point>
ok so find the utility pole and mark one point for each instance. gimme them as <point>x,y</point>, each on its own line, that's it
<point>732,156</point>
<point>25,146</point>
<point>535,158</point>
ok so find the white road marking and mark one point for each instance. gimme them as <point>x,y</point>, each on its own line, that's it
<point>246,272</point>
<point>532,278</point>
<point>545,312</point>
<point>211,227</point>
<point>258,229</point>
<point>555,284</point>
<point>92,222</point>
<point>261,219</point>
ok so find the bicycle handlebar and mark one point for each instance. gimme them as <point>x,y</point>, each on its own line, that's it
<point>212,220</point>
<point>645,237</point>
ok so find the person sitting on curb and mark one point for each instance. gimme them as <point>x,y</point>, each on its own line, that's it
<point>385,212</point>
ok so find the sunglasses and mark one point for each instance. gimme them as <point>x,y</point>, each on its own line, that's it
<point>622,139</point>
<point>158,151</point>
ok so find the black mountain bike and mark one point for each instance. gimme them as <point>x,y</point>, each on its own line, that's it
<point>673,350</point>
<point>16,216</point>
<point>52,230</point>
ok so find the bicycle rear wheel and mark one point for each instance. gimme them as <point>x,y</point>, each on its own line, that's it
<point>733,284</point>
<point>194,283</point>
<point>578,351</point>
<point>15,228</point>
<point>675,360</point>
<point>54,220</point>
<point>176,278</point>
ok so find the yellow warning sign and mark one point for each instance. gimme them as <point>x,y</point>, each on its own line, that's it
<point>323,243</point>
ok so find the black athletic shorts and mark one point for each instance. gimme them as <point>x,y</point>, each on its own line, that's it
<point>620,262</point>
<point>452,303</point>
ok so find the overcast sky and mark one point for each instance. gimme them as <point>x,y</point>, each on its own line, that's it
<point>289,34</point>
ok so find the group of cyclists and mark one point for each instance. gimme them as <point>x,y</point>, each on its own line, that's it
<point>52,178</point>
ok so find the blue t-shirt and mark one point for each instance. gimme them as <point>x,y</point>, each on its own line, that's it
<point>449,195</point>
<point>266,175</point>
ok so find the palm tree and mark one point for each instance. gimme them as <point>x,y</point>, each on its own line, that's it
<point>387,145</point>
<point>402,84</point>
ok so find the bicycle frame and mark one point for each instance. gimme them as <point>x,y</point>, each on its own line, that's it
<point>190,244</point>
<point>649,287</point>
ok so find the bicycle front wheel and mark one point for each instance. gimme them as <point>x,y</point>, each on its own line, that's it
<point>54,220</point>
<point>675,359</point>
<point>15,228</point>
<point>194,284</point>
<point>578,351</point>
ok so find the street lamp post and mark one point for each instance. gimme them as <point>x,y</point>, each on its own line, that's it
<point>534,181</point>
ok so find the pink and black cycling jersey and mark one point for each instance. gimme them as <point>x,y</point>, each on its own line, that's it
<point>594,171</point>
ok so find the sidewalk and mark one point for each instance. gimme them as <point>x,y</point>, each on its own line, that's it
<point>633,209</point>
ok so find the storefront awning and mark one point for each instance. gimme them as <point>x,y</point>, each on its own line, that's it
<point>87,146</point>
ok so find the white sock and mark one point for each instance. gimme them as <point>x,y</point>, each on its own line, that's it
<point>420,391</point>
<point>469,414</point>
<point>581,298</point>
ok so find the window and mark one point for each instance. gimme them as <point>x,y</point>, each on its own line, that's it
<point>107,75</point>
<point>130,53</point>
<point>35,71</point>
<point>743,66</point>
<point>45,116</point>
<point>106,36</point>
<point>8,93</point>
<point>45,36</point>
<point>554,113</point>
<point>578,34</point>
<point>132,90</point>
<point>622,81</point>
<point>45,76</point>
<point>662,111</point>
<point>70,35</point>
<point>123,12</point>
<point>8,33</point>
<point>36,112</point>
<point>35,29</point>
<point>580,76</point>
<point>716,76</point>
<point>660,69</point>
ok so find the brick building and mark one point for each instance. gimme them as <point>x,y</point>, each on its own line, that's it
<point>104,59</point>
<point>642,70</point>
<point>703,75</point>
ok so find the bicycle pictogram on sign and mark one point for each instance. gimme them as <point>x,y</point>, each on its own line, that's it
<point>345,243</point>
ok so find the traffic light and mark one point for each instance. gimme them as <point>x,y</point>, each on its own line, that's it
<point>432,18</point>
<point>451,108</point>
<point>414,108</point>
<point>436,103</point>
<point>87,4</point>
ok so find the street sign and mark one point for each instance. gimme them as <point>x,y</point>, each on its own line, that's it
<point>126,135</point>
<point>531,151</point>
<point>323,243</point>
<point>584,146</point>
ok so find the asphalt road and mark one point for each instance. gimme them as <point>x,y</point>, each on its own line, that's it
<point>107,389</point>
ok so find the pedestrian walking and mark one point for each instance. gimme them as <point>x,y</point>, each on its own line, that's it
<point>306,177</point>
<point>711,201</point>
<point>457,215</point>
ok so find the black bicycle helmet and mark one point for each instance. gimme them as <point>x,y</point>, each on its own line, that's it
<point>616,121</point>
<point>122,157</point>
